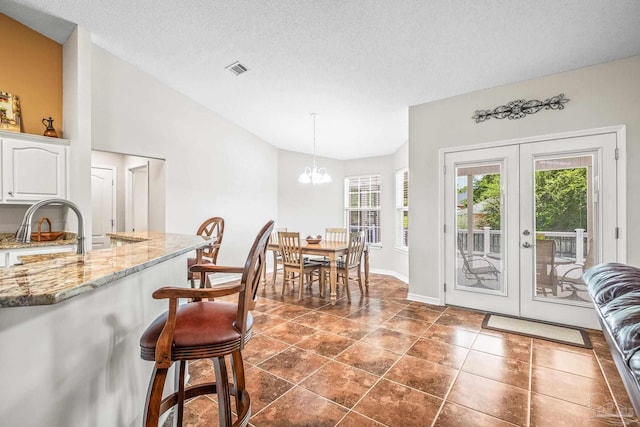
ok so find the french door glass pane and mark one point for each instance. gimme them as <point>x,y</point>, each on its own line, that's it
<point>479,226</point>
<point>564,224</point>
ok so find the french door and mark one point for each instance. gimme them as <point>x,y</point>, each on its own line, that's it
<point>524,221</point>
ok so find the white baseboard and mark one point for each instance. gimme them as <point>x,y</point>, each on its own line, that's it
<point>392,273</point>
<point>226,278</point>
<point>422,298</point>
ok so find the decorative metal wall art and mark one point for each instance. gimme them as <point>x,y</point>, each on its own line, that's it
<point>520,108</point>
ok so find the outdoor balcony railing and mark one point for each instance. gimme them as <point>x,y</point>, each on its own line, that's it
<point>568,243</point>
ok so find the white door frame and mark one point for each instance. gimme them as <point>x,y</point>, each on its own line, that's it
<point>114,192</point>
<point>621,174</point>
<point>131,169</point>
<point>505,299</point>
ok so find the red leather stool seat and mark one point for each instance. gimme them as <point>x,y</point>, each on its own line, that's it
<point>198,325</point>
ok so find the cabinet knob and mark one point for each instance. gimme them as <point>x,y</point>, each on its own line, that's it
<point>11,193</point>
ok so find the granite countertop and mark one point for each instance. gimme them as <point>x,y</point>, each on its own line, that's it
<point>8,242</point>
<point>52,279</point>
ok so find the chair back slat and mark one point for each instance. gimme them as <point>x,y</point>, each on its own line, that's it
<point>274,235</point>
<point>290,248</point>
<point>335,235</point>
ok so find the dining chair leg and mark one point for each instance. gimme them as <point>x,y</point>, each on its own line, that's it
<point>284,279</point>
<point>300,284</point>
<point>346,285</point>
<point>360,280</point>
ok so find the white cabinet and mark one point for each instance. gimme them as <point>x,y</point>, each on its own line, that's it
<point>32,168</point>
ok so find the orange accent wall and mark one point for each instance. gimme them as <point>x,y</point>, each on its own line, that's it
<point>32,70</point>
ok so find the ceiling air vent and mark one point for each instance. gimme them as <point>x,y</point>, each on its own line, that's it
<point>237,68</point>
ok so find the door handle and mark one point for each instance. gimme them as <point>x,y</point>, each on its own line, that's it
<point>526,245</point>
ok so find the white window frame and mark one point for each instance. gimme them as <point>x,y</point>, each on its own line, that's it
<point>376,232</point>
<point>402,209</point>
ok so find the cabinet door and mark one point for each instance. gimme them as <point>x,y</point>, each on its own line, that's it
<point>32,171</point>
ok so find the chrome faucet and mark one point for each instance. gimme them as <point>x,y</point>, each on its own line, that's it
<point>24,231</point>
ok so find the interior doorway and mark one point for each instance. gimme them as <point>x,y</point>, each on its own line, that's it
<point>137,212</point>
<point>129,179</point>
<point>524,220</point>
<point>103,202</point>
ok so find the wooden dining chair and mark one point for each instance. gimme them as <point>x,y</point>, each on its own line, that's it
<point>277,257</point>
<point>205,329</point>
<point>294,265</point>
<point>351,262</point>
<point>335,235</point>
<point>214,229</point>
<point>331,234</point>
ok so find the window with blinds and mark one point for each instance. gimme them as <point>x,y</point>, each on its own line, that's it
<point>402,209</point>
<point>362,205</point>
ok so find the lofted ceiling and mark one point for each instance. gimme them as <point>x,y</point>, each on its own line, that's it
<point>358,64</point>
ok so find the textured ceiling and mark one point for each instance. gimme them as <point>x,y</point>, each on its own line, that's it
<point>358,64</point>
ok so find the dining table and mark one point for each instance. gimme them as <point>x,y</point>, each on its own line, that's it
<point>332,251</point>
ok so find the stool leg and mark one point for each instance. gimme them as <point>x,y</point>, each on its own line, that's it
<point>222,388</point>
<point>154,397</point>
<point>238,379</point>
<point>181,365</point>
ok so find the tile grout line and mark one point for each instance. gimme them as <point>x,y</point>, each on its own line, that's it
<point>388,369</point>
<point>606,380</point>
<point>298,384</point>
<point>530,391</point>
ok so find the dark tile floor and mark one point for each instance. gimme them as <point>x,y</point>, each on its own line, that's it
<point>382,360</point>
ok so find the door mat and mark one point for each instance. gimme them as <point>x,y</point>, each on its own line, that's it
<point>536,329</point>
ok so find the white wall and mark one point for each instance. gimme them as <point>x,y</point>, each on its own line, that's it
<point>76,63</point>
<point>213,167</point>
<point>601,95</point>
<point>310,209</point>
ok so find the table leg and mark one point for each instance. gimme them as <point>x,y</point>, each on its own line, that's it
<point>275,267</point>
<point>333,276</point>
<point>366,269</point>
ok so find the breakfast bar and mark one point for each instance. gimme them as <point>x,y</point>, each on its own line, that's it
<point>70,326</point>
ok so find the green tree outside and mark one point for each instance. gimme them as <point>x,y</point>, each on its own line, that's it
<point>560,199</point>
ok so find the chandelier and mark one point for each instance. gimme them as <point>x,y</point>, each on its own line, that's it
<point>314,174</point>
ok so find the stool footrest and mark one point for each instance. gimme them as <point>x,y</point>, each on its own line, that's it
<point>210,388</point>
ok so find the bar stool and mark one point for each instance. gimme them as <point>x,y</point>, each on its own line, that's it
<point>205,329</point>
<point>213,228</point>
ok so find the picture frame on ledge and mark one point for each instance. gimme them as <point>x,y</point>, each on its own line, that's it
<point>10,118</point>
